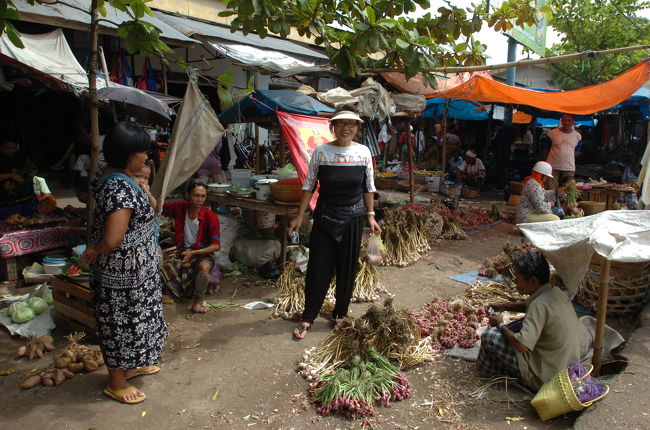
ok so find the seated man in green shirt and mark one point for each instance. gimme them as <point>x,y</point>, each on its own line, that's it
<point>546,340</point>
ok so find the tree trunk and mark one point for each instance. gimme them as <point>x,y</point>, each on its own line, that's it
<point>92,99</point>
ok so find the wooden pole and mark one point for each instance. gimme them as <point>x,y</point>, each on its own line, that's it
<point>522,63</point>
<point>92,100</point>
<point>601,315</point>
<point>409,135</point>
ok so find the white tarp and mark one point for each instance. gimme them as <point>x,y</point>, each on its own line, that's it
<point>196,132</point>
<point>273,61</point>
<point>49,53</point>
<point>622,236</point>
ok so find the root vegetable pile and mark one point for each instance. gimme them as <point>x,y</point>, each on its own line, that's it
<point>75,358</point>
<point>466,219</point>
<point>502,264</point>
<point>36,347</point>
<point>355,392</point>
<point>291,293</point>
<point>493,292</point>
<point>449,323</point>
<point>409,231</point>
<point>393,333</point>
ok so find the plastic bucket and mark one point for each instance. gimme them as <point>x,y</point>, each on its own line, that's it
<point>433,183</point>
<point>241,178</point>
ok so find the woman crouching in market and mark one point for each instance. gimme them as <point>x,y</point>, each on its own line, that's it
<point>343,168</point>
<point>545,341</point>
<point>536,202</point>
<point>124,276</point>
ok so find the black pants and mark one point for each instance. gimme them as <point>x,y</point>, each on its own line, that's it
<point>326,258</point>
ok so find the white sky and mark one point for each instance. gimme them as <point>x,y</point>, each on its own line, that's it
<point>497,43</point>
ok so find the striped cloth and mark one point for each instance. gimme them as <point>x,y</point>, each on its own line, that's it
<point>369,139</point>
<point>497,356</point>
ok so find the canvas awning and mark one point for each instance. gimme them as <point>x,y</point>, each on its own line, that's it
<point>47,57</point>
<point>415,85</point>
<point>72,14</point>
<point>263,103</point>
<point>269,53</point>
<point>583,101</point>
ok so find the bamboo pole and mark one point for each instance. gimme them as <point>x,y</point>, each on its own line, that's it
<point>521,63</point>
<point>409,135</point>
<point>601,315</point>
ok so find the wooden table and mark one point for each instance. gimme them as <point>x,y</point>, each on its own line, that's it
<point>283,211</point>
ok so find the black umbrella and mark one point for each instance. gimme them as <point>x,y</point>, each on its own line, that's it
<point>137,103</point>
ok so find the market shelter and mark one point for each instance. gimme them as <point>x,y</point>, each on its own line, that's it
<point>583,101</point>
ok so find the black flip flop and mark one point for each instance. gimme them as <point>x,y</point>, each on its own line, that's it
<point>301,330</point>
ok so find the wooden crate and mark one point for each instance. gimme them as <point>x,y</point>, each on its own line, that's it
<point>72,302</point>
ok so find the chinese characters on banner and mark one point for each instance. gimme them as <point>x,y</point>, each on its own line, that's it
<point>303,134</point>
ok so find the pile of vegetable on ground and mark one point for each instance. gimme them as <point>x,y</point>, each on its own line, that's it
<point>502,264</point>
<point>74,359</point>
<point>24,311</point>
<point>445,324</point>
<point>391,332</point>
<point>355,391</point>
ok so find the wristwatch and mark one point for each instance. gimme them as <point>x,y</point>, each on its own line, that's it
<point>500,326</point>
<point>370,213</point>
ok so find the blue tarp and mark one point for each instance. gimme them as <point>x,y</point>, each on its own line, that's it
<point>262,103</point>
<point>459,109</point>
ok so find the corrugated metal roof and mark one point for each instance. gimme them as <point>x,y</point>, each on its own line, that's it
<point>191,27</point>
<point>69,17</point>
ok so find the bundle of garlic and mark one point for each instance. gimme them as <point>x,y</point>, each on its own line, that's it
<point>291,293</point>
<point>367,284</point>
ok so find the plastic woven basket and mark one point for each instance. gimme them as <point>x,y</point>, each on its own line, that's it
<point>556,397</point>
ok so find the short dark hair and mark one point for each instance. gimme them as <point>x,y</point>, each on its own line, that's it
<point>573,117</point>
<point>532,263</point>
<point>122,141</point>
<point>194,183</point>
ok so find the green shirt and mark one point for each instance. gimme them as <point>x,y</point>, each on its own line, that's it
<point>551,333</point>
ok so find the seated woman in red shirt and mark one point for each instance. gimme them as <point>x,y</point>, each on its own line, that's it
<point>197,238</point>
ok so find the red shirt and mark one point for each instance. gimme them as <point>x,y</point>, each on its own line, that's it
<point>208,225</point>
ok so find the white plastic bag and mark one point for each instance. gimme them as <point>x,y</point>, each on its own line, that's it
<point>373,251</point>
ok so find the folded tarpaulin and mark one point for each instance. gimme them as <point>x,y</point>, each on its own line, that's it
<point>582,101</point>
<point>263,103</point>
<point>622,236</point>
<point>415,85</point>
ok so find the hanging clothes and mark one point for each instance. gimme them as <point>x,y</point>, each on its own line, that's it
<point>369,139</point>
<point>147,81</point>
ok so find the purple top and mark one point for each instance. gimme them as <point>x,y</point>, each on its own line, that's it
<point>212,164</point>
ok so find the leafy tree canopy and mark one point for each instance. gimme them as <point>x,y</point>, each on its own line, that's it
<point>596,25</point>
<point>362,34</point>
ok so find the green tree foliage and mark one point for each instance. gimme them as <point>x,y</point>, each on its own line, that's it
<point>597,25</point>
<point>362,34</point>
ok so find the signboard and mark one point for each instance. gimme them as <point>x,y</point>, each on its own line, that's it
<point>533,36</point>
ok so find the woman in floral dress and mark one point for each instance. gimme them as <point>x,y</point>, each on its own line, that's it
<point>124,277</point>
<point>536,201</point>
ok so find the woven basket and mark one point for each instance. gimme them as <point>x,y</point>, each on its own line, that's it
<point>286,193</point>
<point>625,296</point>
<point>387,183</point>
<point>556,397</point>
<point>516,187</point>
<point>591,207</point>
<point>470,193</point>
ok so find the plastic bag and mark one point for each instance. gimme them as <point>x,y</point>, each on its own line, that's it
<point>373,252</point>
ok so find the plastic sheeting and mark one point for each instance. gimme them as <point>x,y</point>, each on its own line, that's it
<point>271,61</point>
<point>459,109</point>
<point>196,133</point>
<point>622,236</point>
<point>263,103</point>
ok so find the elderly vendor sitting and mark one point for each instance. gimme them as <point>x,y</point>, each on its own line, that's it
<point>536,202</point>
<point>545,341</point>
<point>472,171</point>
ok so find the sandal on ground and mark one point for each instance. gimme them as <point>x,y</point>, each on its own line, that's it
<point>116,395</point>
<point>301,329</point>
<point>168,301</point>
<point>149,370</point>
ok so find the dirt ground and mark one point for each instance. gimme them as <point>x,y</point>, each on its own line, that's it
<point>236,368</point>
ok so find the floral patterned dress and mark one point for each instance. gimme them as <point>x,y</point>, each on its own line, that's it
<point>125,283</point>
<point>534,199</point>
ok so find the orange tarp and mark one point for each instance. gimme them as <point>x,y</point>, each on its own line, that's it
<point>583,101</point>
<point>415,85</point>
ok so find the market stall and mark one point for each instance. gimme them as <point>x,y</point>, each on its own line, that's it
<point>616,236</point>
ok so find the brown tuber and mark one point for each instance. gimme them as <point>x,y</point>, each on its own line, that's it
<point>31,382</point>
<point>48,382</point>
<point>68,374</point>
<point>21,351</point>
<point>59,377</point>
<point>90,365</point>
<point>62,362</point>
<point>76,367</point>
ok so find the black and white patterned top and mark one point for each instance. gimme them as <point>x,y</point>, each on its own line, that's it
<point>344,174</point>
<point>135,259</point>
